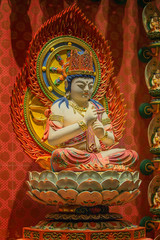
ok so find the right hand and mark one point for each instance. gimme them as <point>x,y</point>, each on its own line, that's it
<point>90,115</point>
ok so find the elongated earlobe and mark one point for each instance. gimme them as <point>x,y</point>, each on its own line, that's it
<point>68,94</point>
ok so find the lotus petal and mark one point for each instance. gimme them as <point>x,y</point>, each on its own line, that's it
<point>137,184</point>
<point>135,176</point>
<point>36,192</point>
<point>108,196</point>
<point>34,175</point>
<point>134,194</point>
<point>35,198</point>
<point>89,186</point>
<point>107,188</point>
<point>126,186</point>
<point>121,199</point>
<point>67,174</point>
<point>67,184</point>
<point>51,198</point>
<point>47,185</point>
<point>29,185</point>
<point>125,176</point>
<point>69,195</point>
<point>48,175</point>
<point>89,175</point>
<point>110,184</point>
<point>110,174</point>
<point>34,184</point>
<point>89,199</point>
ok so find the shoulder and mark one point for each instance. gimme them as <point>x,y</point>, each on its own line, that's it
<point>58,112</point>
<point>59,107</point>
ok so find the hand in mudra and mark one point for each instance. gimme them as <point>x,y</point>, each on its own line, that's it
<point>90,116</point>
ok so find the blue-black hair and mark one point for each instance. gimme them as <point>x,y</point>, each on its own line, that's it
<point>61,100</point>
<point>68,89</point>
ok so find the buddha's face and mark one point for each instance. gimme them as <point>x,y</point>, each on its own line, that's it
<point>81,89</point>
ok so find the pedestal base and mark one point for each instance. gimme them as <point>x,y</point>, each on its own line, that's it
<point>80,226</point>
<point>137,233</point>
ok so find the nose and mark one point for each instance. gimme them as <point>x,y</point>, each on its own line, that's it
<point>86,88</point>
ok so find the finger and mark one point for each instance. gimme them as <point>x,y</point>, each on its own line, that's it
<point>97,124</point>
<point>94,110</point>
<point>94,124</point>
<point>95,127</point>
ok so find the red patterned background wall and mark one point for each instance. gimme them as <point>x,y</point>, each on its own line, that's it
<point>122,26</point>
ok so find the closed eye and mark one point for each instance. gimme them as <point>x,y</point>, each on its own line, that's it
<point>81,86</point>
<point>90,86</point>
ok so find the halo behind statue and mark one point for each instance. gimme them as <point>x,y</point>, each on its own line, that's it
<point>52,65</point>
<point>41,80</point>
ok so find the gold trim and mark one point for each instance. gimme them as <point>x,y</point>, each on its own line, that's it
<point>155,102</point>
<point>104,137</point>
<point>106,121</point>
<point>75,107</point>
<point>43,68</point>
<point>81,72</point>
<point>35,107</point>
<point>29,117</point>
<point>82,125</point>
<point>58,118</point>
<point>50,88</point>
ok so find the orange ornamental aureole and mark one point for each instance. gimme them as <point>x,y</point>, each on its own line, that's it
<point>68,114</point>
<point>105,85</point>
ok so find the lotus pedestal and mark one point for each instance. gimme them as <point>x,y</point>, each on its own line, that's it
<point>84,200</point>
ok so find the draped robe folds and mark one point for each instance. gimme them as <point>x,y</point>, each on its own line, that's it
<point>68,157</point>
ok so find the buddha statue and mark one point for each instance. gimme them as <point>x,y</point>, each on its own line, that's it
<point>155,23</point>
<point>156,199</point>
<point>156,138</point>
<point>79,126</point>
<point>155,82</point>
<point>78,135</point>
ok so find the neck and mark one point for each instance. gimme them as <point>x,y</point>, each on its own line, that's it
<point>81,103</point>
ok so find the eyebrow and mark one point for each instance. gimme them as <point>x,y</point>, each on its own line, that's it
<point>79,81</point>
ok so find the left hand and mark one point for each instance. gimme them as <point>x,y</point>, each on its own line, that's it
<point>98,129</point>
<point>97,124</point>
